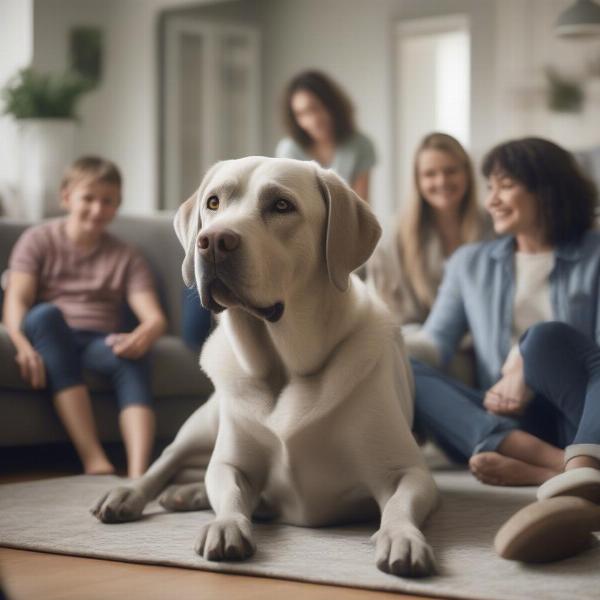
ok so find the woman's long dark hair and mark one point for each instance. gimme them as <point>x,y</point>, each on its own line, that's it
<point>566,199</point>
<point>334,99</point>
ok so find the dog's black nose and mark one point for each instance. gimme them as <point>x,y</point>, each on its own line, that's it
<point>218,244</point>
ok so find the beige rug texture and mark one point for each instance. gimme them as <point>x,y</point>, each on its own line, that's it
<point>52,516</point>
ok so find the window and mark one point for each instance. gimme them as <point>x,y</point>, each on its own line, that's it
<point>432,86</point>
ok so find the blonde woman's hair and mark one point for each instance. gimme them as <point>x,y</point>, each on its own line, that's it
<point>91,167</point>
<point>416,224</point>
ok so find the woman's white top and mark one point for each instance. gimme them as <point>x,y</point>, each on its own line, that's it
<point>532,291</point>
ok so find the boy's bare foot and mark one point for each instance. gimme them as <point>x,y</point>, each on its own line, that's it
<point>494,469</point>
<point>98,467</point>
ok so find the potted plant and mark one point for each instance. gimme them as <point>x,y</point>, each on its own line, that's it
<point>44,106</point>
<point>565,98</point>
<point>564,94</point>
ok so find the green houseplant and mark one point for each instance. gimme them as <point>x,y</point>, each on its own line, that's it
<point>564,95</point>
<point>33,95</point>
<point>44,107</point>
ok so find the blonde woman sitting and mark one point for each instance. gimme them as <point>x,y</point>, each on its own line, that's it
<point>441,214</point>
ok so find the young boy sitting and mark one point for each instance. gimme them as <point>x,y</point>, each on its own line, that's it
<point>68,281</point>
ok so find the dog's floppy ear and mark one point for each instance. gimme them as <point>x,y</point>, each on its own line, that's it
<point>352,228</point>
<point>187,224</point>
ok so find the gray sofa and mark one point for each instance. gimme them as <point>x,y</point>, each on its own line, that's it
<point>27,417</point>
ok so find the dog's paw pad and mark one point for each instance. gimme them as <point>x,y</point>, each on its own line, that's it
<point>226,539</point>
<point>404,553</point>
<point>119,505</point>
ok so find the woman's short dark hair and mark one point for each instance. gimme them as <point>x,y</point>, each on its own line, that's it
<point>566,199</point>
<point>334,99</point>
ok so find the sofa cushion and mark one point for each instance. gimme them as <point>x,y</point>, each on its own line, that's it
<point>175,370</point>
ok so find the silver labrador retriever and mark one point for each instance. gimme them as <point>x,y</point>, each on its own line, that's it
<point>310,421</point>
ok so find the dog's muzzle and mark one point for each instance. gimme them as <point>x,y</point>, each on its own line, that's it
<point>216,293</point>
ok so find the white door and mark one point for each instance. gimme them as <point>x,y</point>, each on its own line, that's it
<point>432,86</point>
<point>211,101</point>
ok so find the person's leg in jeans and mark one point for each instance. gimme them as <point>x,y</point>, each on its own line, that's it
<point>563,365</point>
<point>131,381</point>
<point>453,414</point>
<point>195,319</point>
<point>46,329</point>
<point>528,456</point>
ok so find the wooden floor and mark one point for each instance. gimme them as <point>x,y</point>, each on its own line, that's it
<point>36,575</point>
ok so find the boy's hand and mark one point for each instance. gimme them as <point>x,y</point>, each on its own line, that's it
<point>130,345</point>
<point>31,366</point>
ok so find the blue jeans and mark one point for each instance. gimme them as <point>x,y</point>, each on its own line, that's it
<point>562,367</point>
<point>66,352</point>
<point>196,320</point>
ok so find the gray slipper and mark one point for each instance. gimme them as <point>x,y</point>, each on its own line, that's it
<point>548,530</point>
<point>583,482</point>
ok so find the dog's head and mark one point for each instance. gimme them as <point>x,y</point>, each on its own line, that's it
<point>259,229</point>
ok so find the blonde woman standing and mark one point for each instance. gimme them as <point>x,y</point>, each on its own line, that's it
<point>441,215</point>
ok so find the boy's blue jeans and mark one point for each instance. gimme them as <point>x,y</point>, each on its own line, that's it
<point>562,367</point>
<point>66,352</point>
<point>195,320</point>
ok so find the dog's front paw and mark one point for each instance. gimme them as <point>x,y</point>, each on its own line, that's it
<point>403,551</point>
<point>119,505</point>
<point>226,539</point>
<point>188,496</point>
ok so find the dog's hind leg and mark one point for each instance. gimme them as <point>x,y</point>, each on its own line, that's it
<point>194,442</point>
<point>187,491</point>
<point>185,497</point>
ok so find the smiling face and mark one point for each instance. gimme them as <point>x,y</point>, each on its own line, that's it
<point>513,208</point>
<point>91,205</point>
<point>442,180</point>
<point>312,116</point>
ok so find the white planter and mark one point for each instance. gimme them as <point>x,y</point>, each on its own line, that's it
<point>47,147</point>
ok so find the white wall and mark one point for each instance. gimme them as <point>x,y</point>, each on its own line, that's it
<point>119,120</point>
<point>53,20</point>
<point>525,45</point>
<point>16,50</point>
<point>131,106</point>
<point>350,40</point>
<point>353,41</point>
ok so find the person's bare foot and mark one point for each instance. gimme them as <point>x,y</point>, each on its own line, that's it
<point>98,467</point>
<point>494,469</point>
<point>582,461</point>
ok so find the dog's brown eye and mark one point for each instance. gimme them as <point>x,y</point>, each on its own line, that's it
<point>212,203</point>
<point>283,206</point>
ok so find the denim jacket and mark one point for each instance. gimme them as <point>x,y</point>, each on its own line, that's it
<point>477,296</point>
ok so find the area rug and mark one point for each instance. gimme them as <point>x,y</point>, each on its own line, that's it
<point>52,516</point>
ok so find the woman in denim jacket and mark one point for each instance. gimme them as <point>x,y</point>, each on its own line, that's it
<point>530,300</point>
